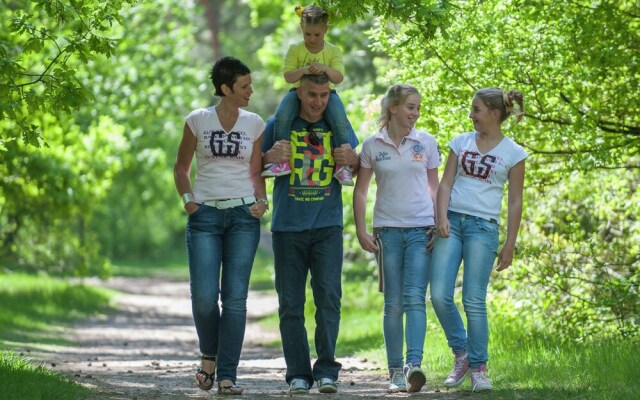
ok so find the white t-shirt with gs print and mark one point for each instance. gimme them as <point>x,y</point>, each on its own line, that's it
<point>222,158</point>
<point>402,197</point>
<point>480,178</point>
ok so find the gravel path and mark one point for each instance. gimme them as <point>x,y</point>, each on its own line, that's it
<point>148,350</point>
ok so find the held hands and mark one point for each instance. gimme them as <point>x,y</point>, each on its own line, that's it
<point>345,155</point>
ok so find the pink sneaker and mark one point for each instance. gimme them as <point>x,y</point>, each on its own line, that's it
<point>344,175</point>
<point>479,380</point>
<point>459,372</point>
<point>276,169</point>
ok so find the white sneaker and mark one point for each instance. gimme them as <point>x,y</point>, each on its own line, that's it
<point>415,376</point>
<point>344,175</point>
<point>479,380</point>
<point>398,381</point>
<point>459,372</point>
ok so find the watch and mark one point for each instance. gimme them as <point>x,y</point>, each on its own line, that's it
<point>188,198</point>
<point>263,201</point>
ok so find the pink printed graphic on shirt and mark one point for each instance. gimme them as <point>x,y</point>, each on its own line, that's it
<point>478,166</point>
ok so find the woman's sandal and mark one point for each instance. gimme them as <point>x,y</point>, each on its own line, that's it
<point>209,377</point>
<point>227,387</point>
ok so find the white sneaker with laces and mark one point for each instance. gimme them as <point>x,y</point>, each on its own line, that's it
<point>479,380</point>
<point>398,381</point>
<point>344,175</point>
<point>415,376</point>
<point>459,372</point>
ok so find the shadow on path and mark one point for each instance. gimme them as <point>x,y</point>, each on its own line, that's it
<point>148,350</point>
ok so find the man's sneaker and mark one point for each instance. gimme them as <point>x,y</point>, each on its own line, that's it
<point>344,175</point>
<point>327,385</point>
<point>398,381</point>
<point>479,380</point>
<point>415,377</point>
<point>298,386</point>
<point>276,169</point>
<point>459,372</point>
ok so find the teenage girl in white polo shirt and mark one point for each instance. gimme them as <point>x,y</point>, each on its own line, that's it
<point>469,203</point>
<point>405,163</point>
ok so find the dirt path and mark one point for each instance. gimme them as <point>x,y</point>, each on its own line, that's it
<point>148,350</point>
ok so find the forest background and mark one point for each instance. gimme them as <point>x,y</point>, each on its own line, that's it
<point>93,96</point>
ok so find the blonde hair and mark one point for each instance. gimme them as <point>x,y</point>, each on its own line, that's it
<point>312,15</point>
<point>396,95</point>
<point>497,99</point>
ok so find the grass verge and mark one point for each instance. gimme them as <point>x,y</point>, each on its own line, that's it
<point>523,364</point>
<point>22,379</point>
<point>33,310</point>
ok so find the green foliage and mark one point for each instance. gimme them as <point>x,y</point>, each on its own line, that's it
<point>42,45</point>
<point>583,247</point>
<point>49,194</point>
<point>18,375</point>
<point>577,65</point>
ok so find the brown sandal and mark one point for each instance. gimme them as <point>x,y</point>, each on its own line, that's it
<point>227,387</point>
<point>209,377</point>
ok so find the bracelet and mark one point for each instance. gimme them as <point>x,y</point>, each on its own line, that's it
<point>188,198</point>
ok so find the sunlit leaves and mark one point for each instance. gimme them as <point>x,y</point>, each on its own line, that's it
<point>45,44</point>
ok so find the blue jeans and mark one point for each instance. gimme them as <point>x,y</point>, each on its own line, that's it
<point>221,246</point>
<point>474,241</point>
<point>318,251</point>
<point>406,272</point>
<point>334,114</point>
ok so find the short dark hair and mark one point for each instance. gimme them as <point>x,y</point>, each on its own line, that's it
<point>317,79</point>
<point>225,71</point>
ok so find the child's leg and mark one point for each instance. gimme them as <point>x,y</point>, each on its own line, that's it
<point>336,117</point>
<point>288,110</point>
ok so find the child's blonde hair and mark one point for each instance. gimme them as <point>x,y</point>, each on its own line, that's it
<point>312,15</point>
<point>396,95</point>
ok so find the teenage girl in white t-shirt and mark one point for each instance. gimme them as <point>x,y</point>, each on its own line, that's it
<point>468,213</point>
<point>405,163</point>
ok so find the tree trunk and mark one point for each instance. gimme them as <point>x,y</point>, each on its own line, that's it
<point>213,10</point>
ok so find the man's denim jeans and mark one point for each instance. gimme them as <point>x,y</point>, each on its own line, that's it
<point>318,251</point>
<point>221,245</point>
<point>406,267</point>
<point>475,241</point>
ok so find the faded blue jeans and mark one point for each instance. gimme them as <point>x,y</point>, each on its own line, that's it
<point>318,251</point>
<point>406,269</point>
<point>474,241</point>
<point>221,245</point>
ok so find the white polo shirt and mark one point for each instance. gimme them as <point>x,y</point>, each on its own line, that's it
<point>480,178</point>
<point>402,196</point>
<point>222,158</point>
